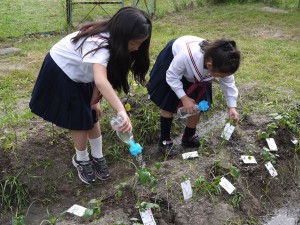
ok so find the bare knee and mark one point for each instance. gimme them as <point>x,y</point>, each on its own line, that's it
<point>166,114</point>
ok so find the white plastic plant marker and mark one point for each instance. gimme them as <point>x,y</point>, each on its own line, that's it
<point>271,169</point>
<point>187,189</point>
<point>77,210</point>
<point>247,159</point>
<point>224,183</point>
<point>295,141</point>
<point>227,132</point>
<point>272,144</point>
<point>190,155</point>
<point>147,217</point>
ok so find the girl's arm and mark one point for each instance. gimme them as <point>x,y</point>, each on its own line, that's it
<point>105,88</point>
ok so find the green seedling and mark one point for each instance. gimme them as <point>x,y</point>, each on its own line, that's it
<point>234,171</point>
<point>269,132</point>
<point>94,210</point>
<point>146,177</point>
<point>119,187</point>
<point>146,205</point>
<point>232,122</point>
<point>288,119</point>
<point>268,156</point>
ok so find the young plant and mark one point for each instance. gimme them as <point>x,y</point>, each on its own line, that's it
<point>270,131</point>
<point>118,187</point>
<point>234,171</point>
<point>147,177</point>
<point>288,119</point>
<point>143,206</point>
<point>94,210</point>
<point>268,156</point>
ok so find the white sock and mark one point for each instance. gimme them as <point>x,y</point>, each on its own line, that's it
<point>82,155</point>
<point>96,147</point>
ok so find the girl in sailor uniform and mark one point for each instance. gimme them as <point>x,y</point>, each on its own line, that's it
<point>182,75</point>
<point>85,65</point>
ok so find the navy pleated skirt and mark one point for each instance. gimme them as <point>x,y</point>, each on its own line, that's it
<point>159,90</point>
<point>59,100</point>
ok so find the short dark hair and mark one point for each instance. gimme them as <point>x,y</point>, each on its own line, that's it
<point>223,53</point>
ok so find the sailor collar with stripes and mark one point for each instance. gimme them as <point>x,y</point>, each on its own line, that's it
<point>196,61</point>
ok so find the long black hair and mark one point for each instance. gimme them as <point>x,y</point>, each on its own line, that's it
<point>129,23</point>
<point>223,53</point>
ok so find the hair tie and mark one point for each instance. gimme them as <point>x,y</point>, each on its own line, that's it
<point>227,47</point>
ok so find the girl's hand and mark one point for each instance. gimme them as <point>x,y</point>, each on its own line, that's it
<point>126,127</point>
<point>96,108</point>
<point>188,104</point>
<point>233,114</point>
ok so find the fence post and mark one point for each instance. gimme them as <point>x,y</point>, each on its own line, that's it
<point>69,11</point>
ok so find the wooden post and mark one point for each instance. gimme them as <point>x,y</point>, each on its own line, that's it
<point>69,11</point>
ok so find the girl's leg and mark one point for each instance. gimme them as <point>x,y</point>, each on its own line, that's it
<point>166,119</point>
<point>81,160</point>
<point>166,146</point>
<point>190,138</point>
<point>95,140</point>
<point>80,143</point>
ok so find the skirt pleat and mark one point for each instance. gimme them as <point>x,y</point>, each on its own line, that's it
<point>59,100</point>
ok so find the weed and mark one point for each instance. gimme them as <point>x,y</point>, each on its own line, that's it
<point>52,220</point>
<point>202,185</point>
<point>236,199</point>
<point>13,193</point>
<point>18,219</point>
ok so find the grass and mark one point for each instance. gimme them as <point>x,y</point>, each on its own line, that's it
<point>268,77</point>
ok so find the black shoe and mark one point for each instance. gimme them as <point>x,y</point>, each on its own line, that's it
<point>101,168</point>
<point>85,170</point>
<point>167,148</point>
<point>190,142</point>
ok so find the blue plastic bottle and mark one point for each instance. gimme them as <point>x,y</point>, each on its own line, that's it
<point>201,106</point>
<point>135,148</point>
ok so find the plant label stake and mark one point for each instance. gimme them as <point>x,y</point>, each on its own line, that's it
<point>248,159</point>
<point>147,217</point>
<point>186,189</point>
<point>224,183</point>
<point>77,210</point>
<point>271,169</point>
<point>227,132</point>
<point>295,141</point>
<point>189,155</point>
<point>272,144</point>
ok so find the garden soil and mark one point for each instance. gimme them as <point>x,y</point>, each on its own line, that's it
<point>54,187</point>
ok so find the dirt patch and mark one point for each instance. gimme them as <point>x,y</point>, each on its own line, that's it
<point>273,10</point>
<point>44,160</point>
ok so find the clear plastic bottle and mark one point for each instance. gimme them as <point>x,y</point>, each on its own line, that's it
<point>201,106</point>
<point>135,148</point>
